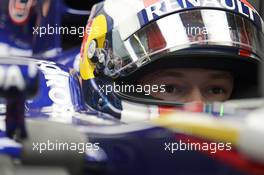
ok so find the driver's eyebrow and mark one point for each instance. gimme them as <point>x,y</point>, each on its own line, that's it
<point>221,76</point>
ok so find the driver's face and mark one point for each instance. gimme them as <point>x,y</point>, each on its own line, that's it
<point>191,85</point>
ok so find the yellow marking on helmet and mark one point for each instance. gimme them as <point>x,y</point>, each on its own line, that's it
<point>96,32</point>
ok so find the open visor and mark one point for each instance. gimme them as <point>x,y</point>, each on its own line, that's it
<point>203,28</point>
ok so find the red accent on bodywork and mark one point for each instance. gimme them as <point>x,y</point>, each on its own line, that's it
<point>244,53</point>
<point>232,158</point>
<point>194,107</point>
<point>165,109</point>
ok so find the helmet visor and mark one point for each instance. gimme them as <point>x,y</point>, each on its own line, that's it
<point>193,29</point>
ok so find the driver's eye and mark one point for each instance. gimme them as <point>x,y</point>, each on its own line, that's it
<point>174,89</point>
<point>216,91</point>
<point>169,88</point>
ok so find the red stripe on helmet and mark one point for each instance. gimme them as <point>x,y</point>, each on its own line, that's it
<point>156,40</point>
<point>148,3</point>
<point>248,4</point>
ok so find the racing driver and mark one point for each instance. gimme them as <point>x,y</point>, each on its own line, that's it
<point>190,51</point>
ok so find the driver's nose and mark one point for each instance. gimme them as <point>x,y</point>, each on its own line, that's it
<point>195,96</point>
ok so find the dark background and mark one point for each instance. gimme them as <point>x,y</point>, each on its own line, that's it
<point>71,41</point>
<point>87,5</point>
<point>81,4</point>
